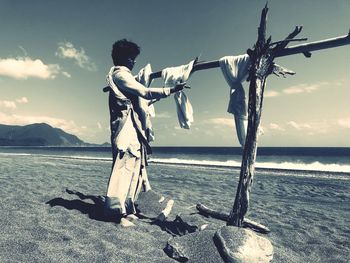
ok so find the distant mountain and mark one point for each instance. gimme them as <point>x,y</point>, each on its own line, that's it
<point>37,134</point>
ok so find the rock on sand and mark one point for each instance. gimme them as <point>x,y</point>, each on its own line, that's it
<point>228,244</point>
<point>243,245</point>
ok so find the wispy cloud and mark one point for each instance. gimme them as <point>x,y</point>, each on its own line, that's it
<point>271,94</point>
<point>67,50</point>
<point>299,126</point>
<point>304,88</point>
<point>228,122</point>
<point>344,122</point>
<point>66,74</point>
<point>275,126</point>
<point>26,67</point>
<point>163,115</point>
<point>22,100</point>
<point>8,104</point>
<point>314,127</point>
<point>12,105</point>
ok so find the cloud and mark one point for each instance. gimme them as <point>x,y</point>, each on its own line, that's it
<point>271,94</point>
<point>26,67</point>
<point>304,88</point>
<point>299,126</point>
<point>275,126</point>
<point>221,121</point>
<point>67,50</point>
<point>344,122</point>
<point>8,104</point>
<point>314,127</point>
<point>22,100</point>
<point>11,105</point>
<point>66,74</point>
<point>163,115</point>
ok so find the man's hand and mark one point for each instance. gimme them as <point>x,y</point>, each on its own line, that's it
<point>178,87</point>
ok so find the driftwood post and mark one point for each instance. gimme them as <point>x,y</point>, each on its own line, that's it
<point>262,66</point>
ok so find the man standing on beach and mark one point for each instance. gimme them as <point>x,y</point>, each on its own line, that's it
<point>128,137</point>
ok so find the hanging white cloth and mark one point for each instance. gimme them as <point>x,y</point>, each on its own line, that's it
<point>184,110</point>
<point>235,70</point>
<point>171,77</point>
<point>147,109</point>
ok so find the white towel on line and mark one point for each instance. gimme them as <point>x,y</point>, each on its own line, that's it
<point>171,77</point>
<point>235,70</point>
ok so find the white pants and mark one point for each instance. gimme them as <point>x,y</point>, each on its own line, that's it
<point>127,178</point>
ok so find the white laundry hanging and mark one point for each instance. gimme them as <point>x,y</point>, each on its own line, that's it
<point>173,76</point>
<point>235,70</point>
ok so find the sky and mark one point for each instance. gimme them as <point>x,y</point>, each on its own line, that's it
<point>55,55</point>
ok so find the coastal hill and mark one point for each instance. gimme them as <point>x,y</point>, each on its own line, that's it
<point>37,134</point>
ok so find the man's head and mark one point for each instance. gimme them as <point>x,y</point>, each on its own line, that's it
<point>124,53</point>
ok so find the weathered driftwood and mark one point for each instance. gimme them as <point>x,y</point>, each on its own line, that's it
<point>262,66</point>
<point>305,49</point>
<point>202,209</point>
<point>314,46</point>
<point>166,211</point>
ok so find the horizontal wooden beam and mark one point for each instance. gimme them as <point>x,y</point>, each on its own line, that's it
<point>302,48</point>
<point>247,223</point>
<point>314,46</point>
<point>198,66</point>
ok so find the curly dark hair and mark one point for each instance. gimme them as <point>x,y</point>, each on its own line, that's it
<point>124,49</point>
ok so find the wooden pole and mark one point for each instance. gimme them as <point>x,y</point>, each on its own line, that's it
<point>303,48</point>
<point>261,66</point>
<point>314,46</point>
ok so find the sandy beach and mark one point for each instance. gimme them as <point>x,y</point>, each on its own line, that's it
<point>50,211</point>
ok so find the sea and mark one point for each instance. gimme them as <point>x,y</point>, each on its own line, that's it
<point>321,159</point>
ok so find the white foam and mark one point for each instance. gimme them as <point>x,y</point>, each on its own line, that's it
<point>16,154</point>
<point>314,166</point>
<point>53,156</point>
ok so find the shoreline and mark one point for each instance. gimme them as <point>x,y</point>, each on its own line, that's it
<point>215,164</point>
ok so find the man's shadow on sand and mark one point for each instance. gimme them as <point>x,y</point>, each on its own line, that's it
<point>96,211</point>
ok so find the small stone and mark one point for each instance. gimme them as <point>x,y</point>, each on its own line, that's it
<point>126,223</point>
<point>239,245</point>
<point>195,247</point>
<point>148,204</point>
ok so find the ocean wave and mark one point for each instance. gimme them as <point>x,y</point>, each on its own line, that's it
<point>54,156</point>
<point>312,166</point>
<point>15,154</point>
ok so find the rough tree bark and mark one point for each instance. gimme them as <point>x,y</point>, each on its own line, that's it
<point>262,66</point>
